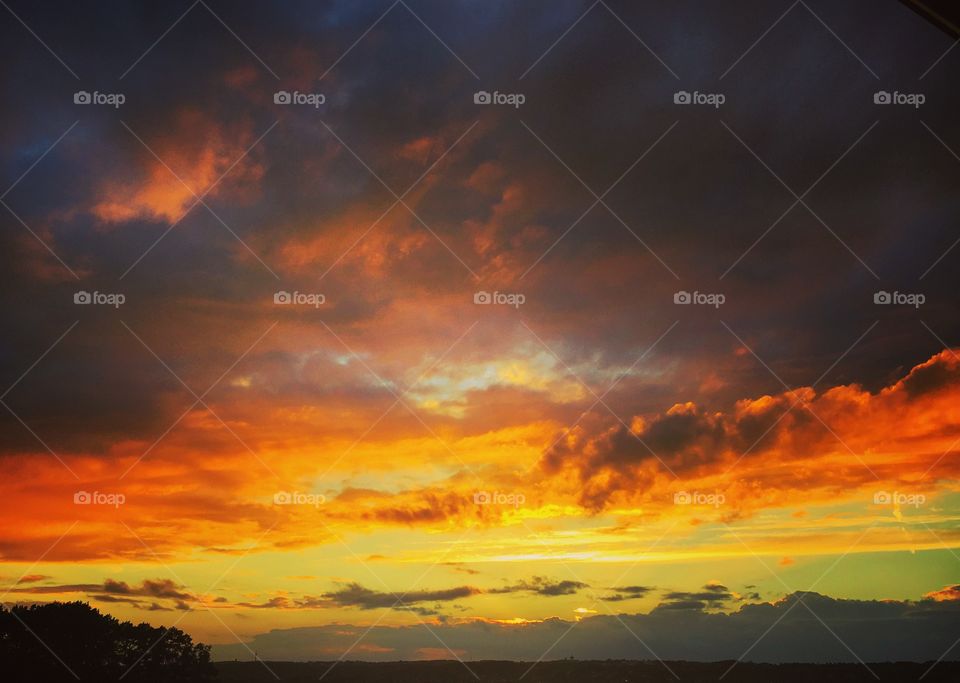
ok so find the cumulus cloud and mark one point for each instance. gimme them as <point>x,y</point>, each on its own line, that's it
<point>916,413</point>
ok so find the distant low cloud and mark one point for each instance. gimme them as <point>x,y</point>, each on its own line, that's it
<point>788,630</point>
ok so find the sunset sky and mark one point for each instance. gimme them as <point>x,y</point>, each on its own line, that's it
<point>386,371</point>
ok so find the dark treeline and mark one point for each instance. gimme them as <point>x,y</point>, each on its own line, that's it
<point>73,641</point>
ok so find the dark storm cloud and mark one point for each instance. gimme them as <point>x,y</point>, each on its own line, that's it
<point>598,99</point>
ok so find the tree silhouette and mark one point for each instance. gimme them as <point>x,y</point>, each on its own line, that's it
<point>69,641</point>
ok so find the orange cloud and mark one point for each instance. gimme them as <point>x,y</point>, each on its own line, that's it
<point>198,152</point>
<point>201,485</point>
<point>948,593</point>
<point>772,450</point>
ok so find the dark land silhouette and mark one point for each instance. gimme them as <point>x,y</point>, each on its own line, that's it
<point>70,641</point>
<point>62,642</point>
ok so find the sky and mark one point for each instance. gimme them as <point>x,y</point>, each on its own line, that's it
<point>418,330</point>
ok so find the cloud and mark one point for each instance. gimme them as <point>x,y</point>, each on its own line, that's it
<point>355,595</point>
<point>898,430</point>
<point>158,588</point>
<point>278,602</point>
<point>458,567</point>
<point>912,416</point>
<point>541,585</point>
<point>115,591</point>
<point>945,594</point>
<point>712,595</point>
<point>621,593</point>
<point>195,154</point>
